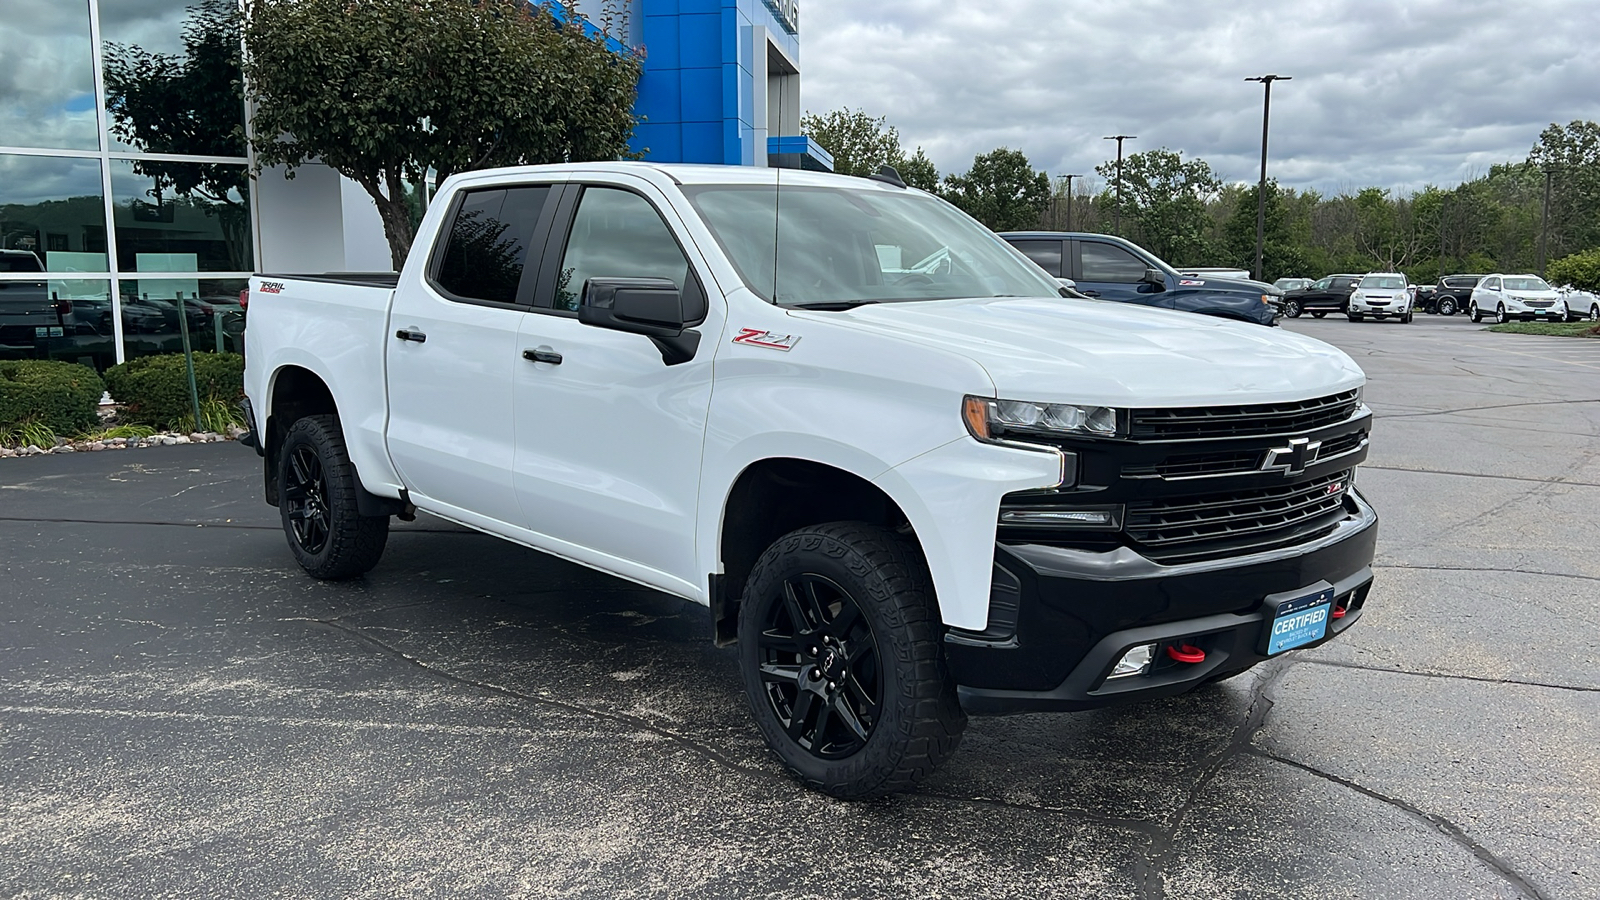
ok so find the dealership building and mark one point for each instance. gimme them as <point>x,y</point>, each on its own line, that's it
<point>126,219</point>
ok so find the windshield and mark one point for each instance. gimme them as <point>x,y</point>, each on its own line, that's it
<point>826,246</point>
<point>1526,284</point>
<point>1383,283</point>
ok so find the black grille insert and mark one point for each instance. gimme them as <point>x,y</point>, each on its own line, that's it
<point>1199,422</point>
<point>1259,514</point>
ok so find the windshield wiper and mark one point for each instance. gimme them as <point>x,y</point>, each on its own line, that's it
<point>831,305</point>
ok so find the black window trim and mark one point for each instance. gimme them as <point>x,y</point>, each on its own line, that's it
<point>531,264</point>
<point>544,290</point>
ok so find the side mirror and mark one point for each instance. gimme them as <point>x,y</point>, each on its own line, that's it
<point>1067,283</point>
<point>652,307</point>
<point>1155,276</point>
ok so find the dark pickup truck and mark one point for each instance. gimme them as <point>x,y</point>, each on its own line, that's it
<point>1114,269</point>
<point>27,313</point>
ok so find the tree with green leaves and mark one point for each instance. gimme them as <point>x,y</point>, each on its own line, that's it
<point>1002,190</point>
<point>1581,270</point>
<point>860,145</point>
<point>1164,197</point>
<point>1281,255</point>
<point>189,104</point>
<point>1570,157</point>
<point>385,90</point>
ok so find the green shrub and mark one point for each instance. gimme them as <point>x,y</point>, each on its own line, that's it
<point>1581,270</point>
<point>154,390</point>
<point>59,396</point>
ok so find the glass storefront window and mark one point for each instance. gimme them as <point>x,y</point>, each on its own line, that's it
<point>181,217</point>
<point>47,76</point>
<point>150,309</point>
<point>172,76</point>
<point>54,209</point>
<point>57,319</point>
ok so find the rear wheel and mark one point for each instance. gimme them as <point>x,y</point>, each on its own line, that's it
<point>840,649</point>
<point>317,503</point>
<point>1447,307</point>
<point>1594,313</point>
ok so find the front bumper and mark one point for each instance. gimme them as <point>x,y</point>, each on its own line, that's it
<point>1060,619</point>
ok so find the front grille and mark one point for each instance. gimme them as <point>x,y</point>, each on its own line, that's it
<point>1180,525</point>
<point>1540,304</point>
<point>1341,444</point>
<point>1200,422</point>
<point>1197,465</point>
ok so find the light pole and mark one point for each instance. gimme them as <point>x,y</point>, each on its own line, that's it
<point>1544,219</point>
<point>1069,199</point>
<point>1116,227</point>
<point>1261,189</point>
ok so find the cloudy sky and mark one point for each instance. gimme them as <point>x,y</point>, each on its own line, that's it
<point>1396,95</point>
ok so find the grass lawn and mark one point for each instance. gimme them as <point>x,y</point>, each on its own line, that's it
<point>1560,329</point>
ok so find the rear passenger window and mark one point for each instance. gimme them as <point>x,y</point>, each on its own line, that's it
<point>487,244</point>
<point>1103,262</point>
<point>1047,254</point>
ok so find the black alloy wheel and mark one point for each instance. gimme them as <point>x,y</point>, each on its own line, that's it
<point>1291,308</point>
<point>820,667</point>
<point>305,492</point>
<point>1447,307</point>
<point>317,489</point>
<point>841,652</point>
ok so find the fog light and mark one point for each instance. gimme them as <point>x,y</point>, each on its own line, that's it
<point>1064,516</point>
<point>1134,662</point>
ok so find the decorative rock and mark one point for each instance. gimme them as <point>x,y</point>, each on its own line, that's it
<point>197,437</point>
<point>97,445</point>
<point>4,452</point>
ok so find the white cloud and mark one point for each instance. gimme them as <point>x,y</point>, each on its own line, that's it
<point>1393,95</point>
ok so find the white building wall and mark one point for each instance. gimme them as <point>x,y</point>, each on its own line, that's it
<point>301,220</point>
<point>365,247</point>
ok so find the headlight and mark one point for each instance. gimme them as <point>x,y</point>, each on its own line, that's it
<point>1357,295</point>
<point>997,420</point>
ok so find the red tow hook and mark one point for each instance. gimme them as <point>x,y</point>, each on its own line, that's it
<point>1339,611</point>
<point>1186,653</point>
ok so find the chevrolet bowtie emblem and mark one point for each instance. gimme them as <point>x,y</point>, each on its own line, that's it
<point>1293,459</point>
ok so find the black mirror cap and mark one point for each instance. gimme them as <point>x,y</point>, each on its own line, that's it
<point>649,306</point>
<point>1153,275</point>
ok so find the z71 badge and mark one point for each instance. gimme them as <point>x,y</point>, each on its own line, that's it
<point>755,337</point>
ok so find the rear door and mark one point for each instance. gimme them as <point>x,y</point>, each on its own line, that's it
<point>1112,273</point>
<point>608,436</point>
<point>453,353</point>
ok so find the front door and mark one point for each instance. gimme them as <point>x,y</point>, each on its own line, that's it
<point>609,438</point>
<point>1112,273</point>
<point>453,353</point>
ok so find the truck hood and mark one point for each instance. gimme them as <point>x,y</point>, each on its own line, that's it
<point>1111,354</point>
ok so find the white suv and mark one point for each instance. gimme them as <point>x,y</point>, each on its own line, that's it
<point>1525,297</point>
<point>1381,295</point>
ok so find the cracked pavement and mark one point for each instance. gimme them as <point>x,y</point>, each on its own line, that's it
<point>184,714</point>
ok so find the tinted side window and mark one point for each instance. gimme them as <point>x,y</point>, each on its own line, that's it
<point>1340,284</point>
<point>1103,262</point>
<point>1046,253</point>
<point>487,244</point>
<point>616,234</point>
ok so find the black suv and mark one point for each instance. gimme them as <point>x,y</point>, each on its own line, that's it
<point>1450,295</point>
<point>1111,268</point>
<point>1323,296</point>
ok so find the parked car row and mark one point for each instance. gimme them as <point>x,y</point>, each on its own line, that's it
<point>1382,295</point>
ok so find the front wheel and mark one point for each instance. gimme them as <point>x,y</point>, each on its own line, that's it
<point>1356,317</point>
<point>1447,307</point>
<point>1477,314</point>
<point>317,502</point>
<point>1292,309</point>
<point>1406,319</point>
<point>1500,314</point>
<point>840,649</point>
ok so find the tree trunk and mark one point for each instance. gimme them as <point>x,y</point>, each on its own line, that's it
<point>395,215</point>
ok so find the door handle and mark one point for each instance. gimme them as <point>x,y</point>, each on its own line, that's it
<point>406,334</point>
<point>542,355</point>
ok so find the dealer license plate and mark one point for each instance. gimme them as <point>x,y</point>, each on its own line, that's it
<point>50,331</point>
<point>1300,621</point>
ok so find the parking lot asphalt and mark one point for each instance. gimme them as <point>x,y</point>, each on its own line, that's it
<point>183,713</point>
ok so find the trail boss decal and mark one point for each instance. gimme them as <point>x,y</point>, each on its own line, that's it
<point>1190,282</point>
<point>271,287</point>
<point>755,337</point>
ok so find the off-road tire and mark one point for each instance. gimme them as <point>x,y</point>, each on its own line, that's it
<point>353,543</point>
<point>919,721</point>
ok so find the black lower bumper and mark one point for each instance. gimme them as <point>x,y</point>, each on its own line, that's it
<point>1075,614</point>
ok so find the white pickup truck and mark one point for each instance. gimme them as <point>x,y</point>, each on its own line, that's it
<point>908,476</point>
